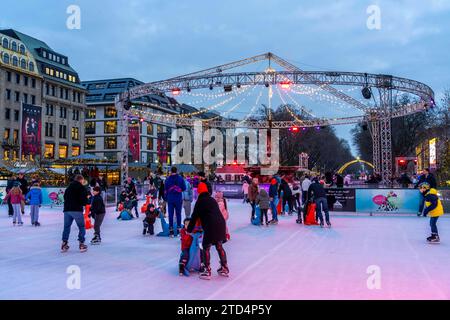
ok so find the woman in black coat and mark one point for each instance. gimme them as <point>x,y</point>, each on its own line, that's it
<point>214,230</point>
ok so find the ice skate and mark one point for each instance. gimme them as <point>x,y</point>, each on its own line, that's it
<point>144,232</point>
<point>321,225</point>
<point>20,224</point>
<point>329,224</point>
<point>96,240</point>
<point>171,233</point>
<point>223,271</point>
<point>37,224</point>
<point>65,246</point>
<point>299,221</point>
<point>433,239</point>
<point>182,271</point>
<point>205,274</point>
<point>83,247</point>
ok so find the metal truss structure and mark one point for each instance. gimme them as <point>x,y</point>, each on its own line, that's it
<point>378,117</point>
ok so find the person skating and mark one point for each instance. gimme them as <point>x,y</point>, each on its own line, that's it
<point>204,179</point>
<point>186,242</point>
<point>287,196</point>
<point>207,211</point>
<point>253,191</point>
<point>263,200</point>
<point>245,187</point>
<point>150,218</point>
<point>9,186</point>
<point>97,213</point>
<point>305,186</point>
<point>432,208</point>
<point>222,202</point>
<point>15,196</point>
<point>273,195</point>
<point>174,187</point>
<point>24,187</point>
<point>318,194</point>
<point>34,196</point>
<point>188,197</point>
<point>75,198</point>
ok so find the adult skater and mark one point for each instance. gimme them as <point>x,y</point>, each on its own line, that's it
<point>174,187</point>
<point>202,178</point>
<point>433,208</point>
<point>273,196</point>
<point>188,197</point>
<point>75,198</point>
<point>245,186</point>
<point>253,191</point>
<point>318,194</point>
<point>425,177</point>
<point>213,223</point>
<point>287,196</point>
<point>305,186</point>
<point>24,187</point>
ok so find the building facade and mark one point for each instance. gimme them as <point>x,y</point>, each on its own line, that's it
<point>102,126</point>
<point>33,73</point>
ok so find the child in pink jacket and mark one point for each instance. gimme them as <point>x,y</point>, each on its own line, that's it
<point>16,197</point>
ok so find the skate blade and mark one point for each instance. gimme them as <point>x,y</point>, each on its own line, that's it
<point>205,278</point>
<point>224,275</point>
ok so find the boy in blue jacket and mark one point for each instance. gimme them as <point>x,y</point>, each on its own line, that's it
<point>34,196</point>
<point>174,188</point>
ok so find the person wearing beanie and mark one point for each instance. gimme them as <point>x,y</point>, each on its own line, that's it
<point>150,218</point>
<point>273,196</point>
<point>202,178</point>
<point>98,213</point>
<point>207,211</point>
<point>432,208</point>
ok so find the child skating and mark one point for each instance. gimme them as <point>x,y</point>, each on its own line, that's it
<point>15,196</point>
<point>97,213</point>
<point>150,217</point>
<point>433,208</point>
<point>186,242</point>
<point>34,197</point>
<point>263,200</point>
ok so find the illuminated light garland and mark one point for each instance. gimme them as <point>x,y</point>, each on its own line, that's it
<point>289,109</point>
<point>253,109</point>
<point>300,106</point>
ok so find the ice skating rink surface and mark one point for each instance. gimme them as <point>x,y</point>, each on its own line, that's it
<point>287,261</point>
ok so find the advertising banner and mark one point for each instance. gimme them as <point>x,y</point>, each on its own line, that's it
<point>340,199</point>
<point>387,200</point>
<point>31,130</point>
<point>134,145</point>
<point>163,144</point>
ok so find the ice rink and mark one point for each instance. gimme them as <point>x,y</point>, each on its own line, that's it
<point>287,261</point>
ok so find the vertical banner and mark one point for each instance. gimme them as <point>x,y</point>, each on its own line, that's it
<point>134,145</point>
<point>163,141</point>
<point>31,127</point>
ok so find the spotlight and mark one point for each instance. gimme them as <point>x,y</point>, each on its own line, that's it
<point>266,84</point>
<point>176,91</point>
<point>188,89</point>
<point>211,87</point>
<point>365,127</point>
<point>367,94</point>
<point>228,88</point>
<point>317,128</point>
<point>285,85</point>
<point>127,105</point>
<point>238,85</point>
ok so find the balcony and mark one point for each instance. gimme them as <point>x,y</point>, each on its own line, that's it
<point>10,144</point>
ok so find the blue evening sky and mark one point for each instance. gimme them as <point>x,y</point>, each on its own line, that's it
<point>152,40</point>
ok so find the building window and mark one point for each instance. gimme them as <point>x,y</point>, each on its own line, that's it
<point>150,129</point>
<point>17,96</point>
<point>78,97</point>
<point>75,133</point>
<point>62,151</point>
<point>16,136</point>
<point>110,142</point>
<point>33,99</point>
<point>110,126</point>
<point>149,143</point>
<point>90,114</point>
<point>48,129</point>
<point>90,127</point>
<point>31,66</point>
<point>66,94</point>
<point>49,110</point>
<point>53,91</point>
<point>62,131</point>
<point>49,152</point>
<point>13,46</point>
<point>63,112</point>
<point>75,151</point>
<point>6,134</point>
<point>22,49</point>
<point>15,61</point>
<point>76,115</point>
<point>25,98</point>
<point>7,114</point>
<point>90,144</point>
<point>23,64</point>
<point>17,78</point>
<point>25,81</point>
<point>6,59</point>
<point>159,129</point>
<point>61,93</point>
<point>33,83</point>
<point>8,76</point>
<point>110,112</point>
<point>16,115</point>
<point>8,94</point>
<point>5,43</point>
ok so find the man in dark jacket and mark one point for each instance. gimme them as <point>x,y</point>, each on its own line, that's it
<point>98,213</point>
<point>318,194</point>
<point>75,198</point>
<point>207,211</point>
<point>425,177</point>
<point>174,187</point>
<point>287,196</point>
<point>273,195</point>
<point>9,186</point>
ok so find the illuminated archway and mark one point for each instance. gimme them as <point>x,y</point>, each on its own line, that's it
<point>345,166</point>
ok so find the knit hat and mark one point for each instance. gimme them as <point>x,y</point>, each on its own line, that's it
<point>202,187</point>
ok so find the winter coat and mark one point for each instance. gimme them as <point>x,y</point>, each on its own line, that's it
<point>23,185</point>
<point>14,198</point>
<point>75,197</point>
<point>207,211</point>
<point>97,205</point>
<point>187,194</point>
<point>284,187</point>
<point>433,205</point>
<point>263,200</point>
<point>186,239</point>
<point>150,217</point>
<point>253,192</point>
<point>222,202</point>
<point>34,196</point>
<point>273,189</point>
<point>305,184</point>
<point>316,191</point>
<point>174,187</point>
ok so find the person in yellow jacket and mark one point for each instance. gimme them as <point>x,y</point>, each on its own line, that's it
<point>433,208</point>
